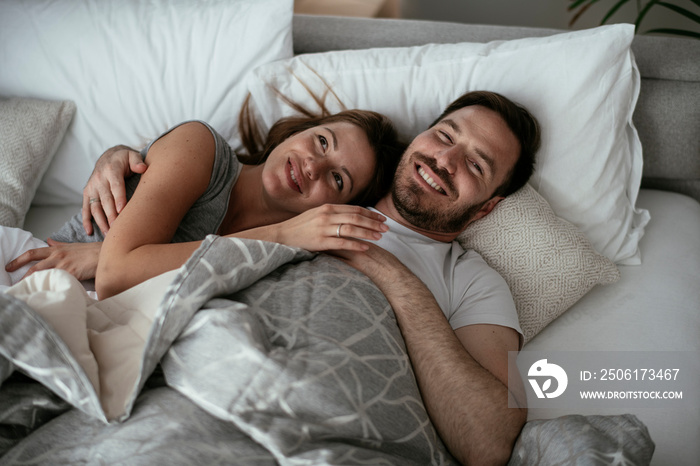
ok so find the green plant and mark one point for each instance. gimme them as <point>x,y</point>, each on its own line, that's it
<point>580,7</point>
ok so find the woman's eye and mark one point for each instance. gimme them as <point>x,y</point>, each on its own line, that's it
<point>324,142</point>
<point>338,180</point>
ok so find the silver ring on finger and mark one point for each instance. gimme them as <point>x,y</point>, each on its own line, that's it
<point>94,199</point>
<point>337,233</point>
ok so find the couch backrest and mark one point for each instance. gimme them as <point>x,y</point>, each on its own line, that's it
<point>667,115</point>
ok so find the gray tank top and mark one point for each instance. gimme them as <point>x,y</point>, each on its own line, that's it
<point>203,218</point>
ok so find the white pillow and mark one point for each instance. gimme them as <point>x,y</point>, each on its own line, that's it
<point>135,68</point>
<point>30,131</point>
<point>546,261</point>
<point>582,86</point>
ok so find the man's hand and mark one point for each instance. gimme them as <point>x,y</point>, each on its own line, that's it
<point>104,195</point>
<point>79,259</point>
<point>381,266</point>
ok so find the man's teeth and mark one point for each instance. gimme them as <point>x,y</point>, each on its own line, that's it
<point>430,181</point>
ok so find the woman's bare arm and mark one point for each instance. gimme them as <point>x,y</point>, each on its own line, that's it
<point>137,246</point>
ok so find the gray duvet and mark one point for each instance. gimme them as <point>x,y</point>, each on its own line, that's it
<point>258,354</point>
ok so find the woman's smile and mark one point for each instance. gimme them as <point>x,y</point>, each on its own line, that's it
<point>292,179</point>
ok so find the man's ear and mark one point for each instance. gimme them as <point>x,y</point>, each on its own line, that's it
<point>487,207</point>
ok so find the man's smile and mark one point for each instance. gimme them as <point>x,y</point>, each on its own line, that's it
<point>428,179</point>
<point>429,175</point>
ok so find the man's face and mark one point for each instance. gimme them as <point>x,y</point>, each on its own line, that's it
<point>449,173</point>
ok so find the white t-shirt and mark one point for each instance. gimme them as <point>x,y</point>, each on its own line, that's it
<point>466,288</point>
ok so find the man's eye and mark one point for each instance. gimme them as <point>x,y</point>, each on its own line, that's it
<point>477,167</point>
<point>324,142</point>
<point>445,137</point>
<point>339,180</point>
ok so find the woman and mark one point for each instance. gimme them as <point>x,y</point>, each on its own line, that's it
<point>195,185</point>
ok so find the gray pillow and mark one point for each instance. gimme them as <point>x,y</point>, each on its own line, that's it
<point>31,131</point>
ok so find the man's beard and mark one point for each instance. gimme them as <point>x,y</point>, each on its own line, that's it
<point>407,196</point>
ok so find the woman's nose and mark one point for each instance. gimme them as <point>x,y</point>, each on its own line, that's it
<point>314,166</point>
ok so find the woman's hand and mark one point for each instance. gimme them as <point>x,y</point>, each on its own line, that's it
<point>79,259</point>
<point>104,195</point>
<point>330,227</point>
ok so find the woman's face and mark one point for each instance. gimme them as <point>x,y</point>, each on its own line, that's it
<point>328,164</point>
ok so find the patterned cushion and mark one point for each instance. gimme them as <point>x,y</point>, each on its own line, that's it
<point>30,131</point>
<point>546,261</point>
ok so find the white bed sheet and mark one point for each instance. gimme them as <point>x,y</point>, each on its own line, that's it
<point>654,307</point>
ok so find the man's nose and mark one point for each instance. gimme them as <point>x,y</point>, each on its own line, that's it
<point>449,158</point>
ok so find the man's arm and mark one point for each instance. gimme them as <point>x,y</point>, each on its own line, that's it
<point>462,375</point>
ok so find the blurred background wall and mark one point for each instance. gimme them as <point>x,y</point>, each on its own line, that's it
<point>534,13</point>
<point>544,13</point>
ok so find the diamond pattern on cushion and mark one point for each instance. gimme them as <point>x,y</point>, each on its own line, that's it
<point>546,261</point>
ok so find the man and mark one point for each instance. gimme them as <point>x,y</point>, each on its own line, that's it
<point>451,175</point>
<point>456,314</point>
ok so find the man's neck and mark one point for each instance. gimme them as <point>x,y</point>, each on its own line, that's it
<point>386,206</point>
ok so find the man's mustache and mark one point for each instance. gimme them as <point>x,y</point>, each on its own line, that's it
<point>441,173</point>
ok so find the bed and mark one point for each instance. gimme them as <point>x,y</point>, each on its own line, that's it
<point>255,353</point>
